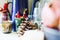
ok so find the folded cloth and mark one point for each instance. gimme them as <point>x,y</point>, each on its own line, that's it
<point>51,34</point>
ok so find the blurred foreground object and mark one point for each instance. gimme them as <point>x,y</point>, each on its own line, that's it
<point>50,15</point>
<point>51,18</point>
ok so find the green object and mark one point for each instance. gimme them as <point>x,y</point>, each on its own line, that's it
<point>18,22</point>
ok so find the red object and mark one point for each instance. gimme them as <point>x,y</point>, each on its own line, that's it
<point>18,15</point>
<point>5,6</point>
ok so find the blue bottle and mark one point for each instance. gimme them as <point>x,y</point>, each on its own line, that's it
<point>15,9</point>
